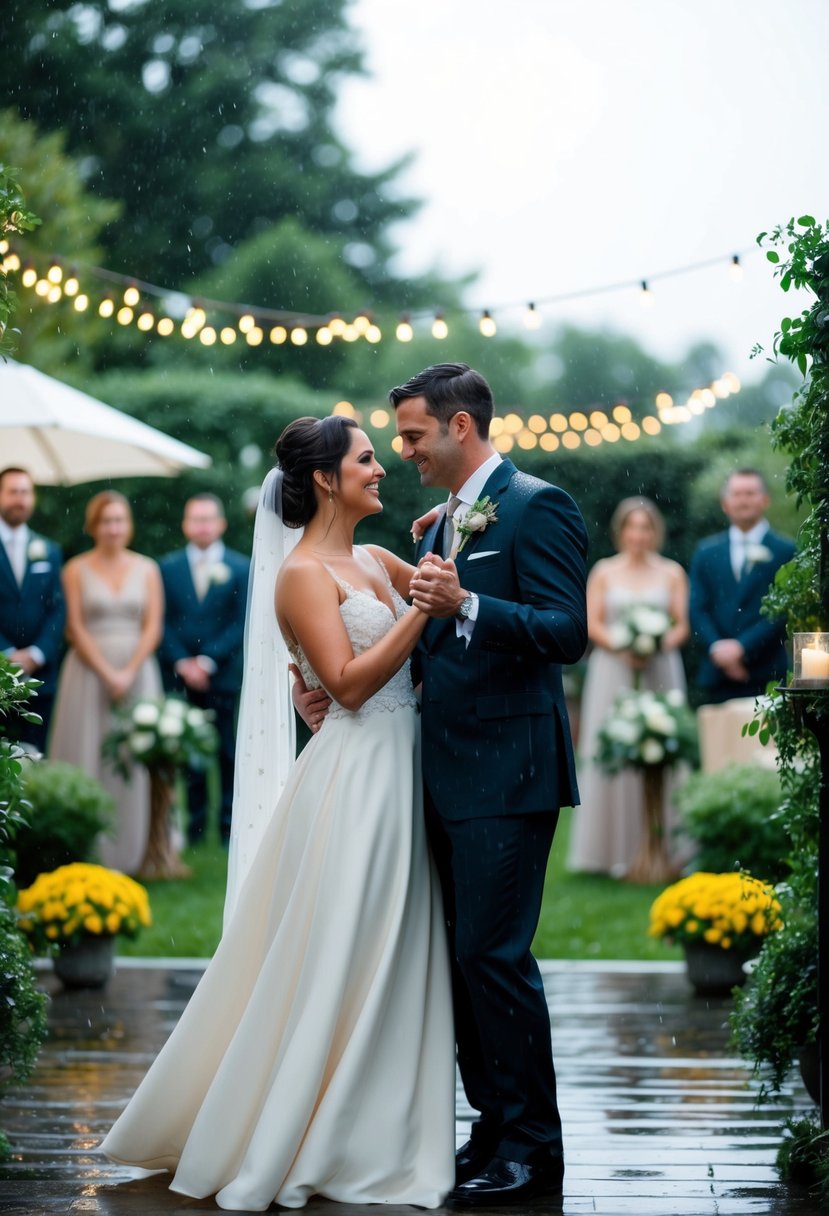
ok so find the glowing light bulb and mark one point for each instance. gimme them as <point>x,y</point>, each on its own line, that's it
<point>246,323</point>
<point>404,331</point>
<point>344,409</point>
<point>54,293</point>
<point>124,315</point>
<point>29,277</point>
<point>324,336</point>
<point>651,425</point>
<point>55,273</point>
<point>228,335</point>
<point>299,336</point>
<point>107,307</point>
<point>81,303</point>
<point>11,263</point>
<point>145,322</point>
<point>132,295</point>
<point>487,325</point>
<point>165,327</point>
<point>532,317</point>
<point>43,287</point>
<point>254,336</point>
<point>278,335</point>
<point>208,335</point>
<point>379,418</point>
<point>361,322</point>
<point>440,329</point>
<point>337,325</point>
<point>71,286</point>
<point>374,333</point>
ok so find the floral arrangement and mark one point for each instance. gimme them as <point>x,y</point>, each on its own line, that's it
<point>639,628</point>
<point>162,733</point>
<point>80,900</point>
<point>480,515</point>
<point>646,730</point>
<point>219,574</point>
<point>727,910</point>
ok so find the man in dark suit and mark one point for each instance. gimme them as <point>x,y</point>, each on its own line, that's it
<point>730,575</point>
<point>32,611</point>
<point>205,589</point>
<point>504,581</point>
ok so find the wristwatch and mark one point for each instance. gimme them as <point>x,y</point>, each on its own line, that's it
<point>466,607</point>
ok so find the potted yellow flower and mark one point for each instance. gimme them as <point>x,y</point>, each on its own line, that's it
<point>720,921</point>
<point>75,913</point>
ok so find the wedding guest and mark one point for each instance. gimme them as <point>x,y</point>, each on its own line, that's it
<point>608,825</point>
<point>32,612</point>
<point>730,574</point>
<point>114,605</point>
<point>205,585</point>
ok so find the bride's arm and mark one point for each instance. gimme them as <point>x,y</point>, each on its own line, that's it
<point>308,608</point>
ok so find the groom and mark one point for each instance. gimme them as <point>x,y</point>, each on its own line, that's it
<point>502,574</point>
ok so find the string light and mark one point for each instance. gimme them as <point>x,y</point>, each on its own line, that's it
<point>107,307</point>
<point>404,331</point>
<point>440,329</point>
<point>487,325</point>
<point>131,296</point>
<point>54,274</point>
<point>532,317</point>
<point>735,270</point>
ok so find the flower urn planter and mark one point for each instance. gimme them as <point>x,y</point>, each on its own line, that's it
<point>87,964</point>
<point>713,971</point>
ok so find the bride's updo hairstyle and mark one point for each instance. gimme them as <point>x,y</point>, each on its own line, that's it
<point>308,444</point>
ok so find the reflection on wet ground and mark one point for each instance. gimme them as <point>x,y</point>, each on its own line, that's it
<point>659,1115</point>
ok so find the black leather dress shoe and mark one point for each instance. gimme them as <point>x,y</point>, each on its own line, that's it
<point>503,1182</point>
<point>470,1159</point>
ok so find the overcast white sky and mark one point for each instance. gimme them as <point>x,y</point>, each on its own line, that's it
<point>568,144</point>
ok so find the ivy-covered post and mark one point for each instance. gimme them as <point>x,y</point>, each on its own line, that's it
<point>802,589</point>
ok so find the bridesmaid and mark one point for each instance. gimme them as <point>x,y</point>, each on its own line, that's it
<point>607,827</point>
<point>114,609</point>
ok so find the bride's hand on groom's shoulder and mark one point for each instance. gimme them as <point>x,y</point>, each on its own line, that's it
<point>310,703</point>
<point>423,522</point>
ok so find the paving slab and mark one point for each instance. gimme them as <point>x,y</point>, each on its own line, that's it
<point>660,1117</point>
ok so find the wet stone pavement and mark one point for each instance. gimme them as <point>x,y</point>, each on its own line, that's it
<point>659,1116</point>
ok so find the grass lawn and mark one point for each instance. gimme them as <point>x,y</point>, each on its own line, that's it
<point>584,916</point>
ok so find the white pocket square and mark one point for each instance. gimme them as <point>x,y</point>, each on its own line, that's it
<point>40,567</point>
<point>473,557</point>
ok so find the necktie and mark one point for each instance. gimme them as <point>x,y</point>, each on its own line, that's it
<point>201,576</point>
<point>450,534</point>
<point>742,558</point>
<point>16,549</point>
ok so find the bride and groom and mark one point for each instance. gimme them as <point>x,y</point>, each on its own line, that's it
<point>317,1055</point>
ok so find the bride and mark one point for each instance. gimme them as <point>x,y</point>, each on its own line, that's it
<point>316,1056</point>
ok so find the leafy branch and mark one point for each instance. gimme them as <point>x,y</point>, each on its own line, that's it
<point>15,218</point>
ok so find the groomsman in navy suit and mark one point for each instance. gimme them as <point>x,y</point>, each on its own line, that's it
<point>205,591</point>
<point>504,581</point>
<point>32,611</point>
<point>730,575</point>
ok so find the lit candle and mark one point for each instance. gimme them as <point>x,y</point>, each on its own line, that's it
<point>814,663</point>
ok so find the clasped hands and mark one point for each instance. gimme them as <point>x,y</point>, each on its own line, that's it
<point>435,588</point>
<point>729,655</point>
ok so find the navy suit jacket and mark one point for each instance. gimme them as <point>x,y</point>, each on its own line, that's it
<point>496,738</point>
<point>214,626</point>
<point>34,613</point>
<point>723,607</point>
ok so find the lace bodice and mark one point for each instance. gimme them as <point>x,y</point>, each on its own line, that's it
<point>366,621</point>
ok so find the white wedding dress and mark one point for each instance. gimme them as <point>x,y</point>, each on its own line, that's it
<point>316,1055</point>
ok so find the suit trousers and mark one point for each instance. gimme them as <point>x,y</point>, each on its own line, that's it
<point>223,706</point>
<point>492,875</point>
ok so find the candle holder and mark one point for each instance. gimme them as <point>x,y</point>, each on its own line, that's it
<point>811,660</point>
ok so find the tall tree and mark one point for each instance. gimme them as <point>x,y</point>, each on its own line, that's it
<point>210,119</point>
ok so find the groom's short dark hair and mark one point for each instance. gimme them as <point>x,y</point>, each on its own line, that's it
<point>449,388</point>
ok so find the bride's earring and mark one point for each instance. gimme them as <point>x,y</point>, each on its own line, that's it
<point>330,495</point>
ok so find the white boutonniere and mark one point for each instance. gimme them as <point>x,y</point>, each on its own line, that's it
<point>756,554</point>
<point>36,550</point>
<point>477,519</point>
<point>220,573</point>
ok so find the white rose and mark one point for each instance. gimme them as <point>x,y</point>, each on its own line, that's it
<point>175,709</point>
<point>141,741</point>
<point>195,717</point>
<point>758,553</point>
<point>145,714</point>
<point>643,645</point>
<point>619,637</point>
<point>652,751</point>
<point>475,521</point>
<point>675,698</point>
<point>219,573</point>
<point>36,550</point>
<point>650,620</point>
<point>622,730</point>
<point>170,727</point>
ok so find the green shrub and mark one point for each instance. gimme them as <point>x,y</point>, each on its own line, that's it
<point>733,818</point>
<point>66,812</point>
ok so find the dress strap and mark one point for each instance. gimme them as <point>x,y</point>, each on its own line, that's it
<point>341,583</point>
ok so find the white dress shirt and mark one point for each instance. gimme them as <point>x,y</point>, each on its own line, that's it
<point>739,543</point>
<point>468,494</point>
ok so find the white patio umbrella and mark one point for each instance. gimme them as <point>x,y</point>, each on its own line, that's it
<point>63,437</point>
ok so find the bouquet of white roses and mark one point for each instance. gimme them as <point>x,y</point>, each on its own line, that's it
<point>646,730</point>
<point>640,628</point>
<point>166,732</point>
